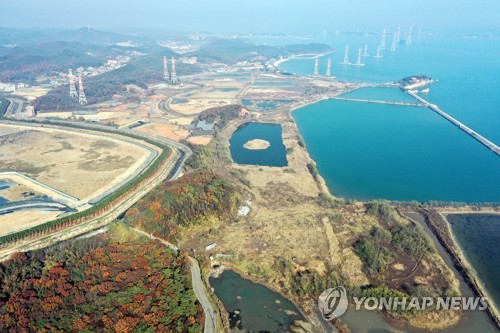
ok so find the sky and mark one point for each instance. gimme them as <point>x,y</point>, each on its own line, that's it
<point>257,16</point>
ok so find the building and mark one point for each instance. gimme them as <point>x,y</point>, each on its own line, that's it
<point>30,111</point>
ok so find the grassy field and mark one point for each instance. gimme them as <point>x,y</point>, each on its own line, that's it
<point>301,240</point>
<point>75,163</point>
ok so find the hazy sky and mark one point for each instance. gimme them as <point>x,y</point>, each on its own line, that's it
<point>228,16</point>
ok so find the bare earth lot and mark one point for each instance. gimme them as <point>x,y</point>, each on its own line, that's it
<point>78,163</point>
<point>75,163</point>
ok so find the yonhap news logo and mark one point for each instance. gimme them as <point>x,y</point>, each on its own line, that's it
<point>333,303</point>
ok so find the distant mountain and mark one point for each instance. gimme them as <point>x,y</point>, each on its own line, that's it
<point>232,51</point>
<point>92,36</point>
<point>27,54</point>
<point>141,71</point>
<point>25,64</point>
<point>89,35</point>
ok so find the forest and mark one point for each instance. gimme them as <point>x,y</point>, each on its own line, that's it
<point>221,115</point>
<point>231,51</point>
<point>141,71</point>
<point>193,199</point>
<point>98,285</point>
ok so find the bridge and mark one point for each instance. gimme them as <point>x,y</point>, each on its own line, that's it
<point>380,101</point>
<point>487,143</point>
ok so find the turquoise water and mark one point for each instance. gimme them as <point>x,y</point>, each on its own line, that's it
<point>399,153</point>
<point>366,151</point>
<point>227,89</point>
<point>467,70</point>
<point>478,236</point>
<point>260,309</point>
<point>4,185</point>
<point>267,104</point>
<point>274,155</point>
<point>179,101</point>
<point>382,94</point>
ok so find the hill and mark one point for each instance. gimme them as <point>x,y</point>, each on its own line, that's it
<point>85,35</point>
<point>191,200</point>
<point>98,285</point>
<point>233,51</point>
<point>140,71</point>
<point>27,63</point>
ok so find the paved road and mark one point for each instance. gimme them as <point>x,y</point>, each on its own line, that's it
<point>171,170</point>
<point>32,205</point>
<point>198,286</point>
<point>201,294</point>
<point>98,222</point>
<point>15,107</point>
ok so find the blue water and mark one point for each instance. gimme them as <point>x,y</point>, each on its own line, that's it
<point>478,236</point>
<point>402,153</point>
<point>467,70</point>
<point>3,201</point>
<point>382,94</point>
<point>179,101</point>
<point>258,308</point>
<point>227,89</point>
<point>274,155</point>
<point>366,151</point>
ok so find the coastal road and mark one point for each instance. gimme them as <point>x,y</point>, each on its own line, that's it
<point>199,288</point>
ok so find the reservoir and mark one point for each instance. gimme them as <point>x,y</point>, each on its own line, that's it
<point>374,151</point>
<point>478,236</point>
<point>274,155</point>
<point>253,307</point>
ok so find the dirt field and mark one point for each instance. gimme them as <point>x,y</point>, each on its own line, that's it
<point>24,219</point>
<point>19,192</point>
<point>169,131</point>
<point>195,106</point>
<point>200,140</point>
<point>32,93</point>
<point>76,163</point>
<point>181,121</point>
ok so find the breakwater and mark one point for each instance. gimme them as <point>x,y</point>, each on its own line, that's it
<point>490,145</point>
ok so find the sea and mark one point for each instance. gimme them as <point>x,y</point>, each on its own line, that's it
<point>368,151</point>
<point>371,151</point>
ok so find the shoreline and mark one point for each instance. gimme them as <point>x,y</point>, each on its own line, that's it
<point>323,187</point>
<point>492,311</point>
<point>469,272</point>
<point>311,319</point>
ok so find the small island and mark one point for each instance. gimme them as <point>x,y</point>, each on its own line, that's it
<point>257,144</point>
<point>415,81</point>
